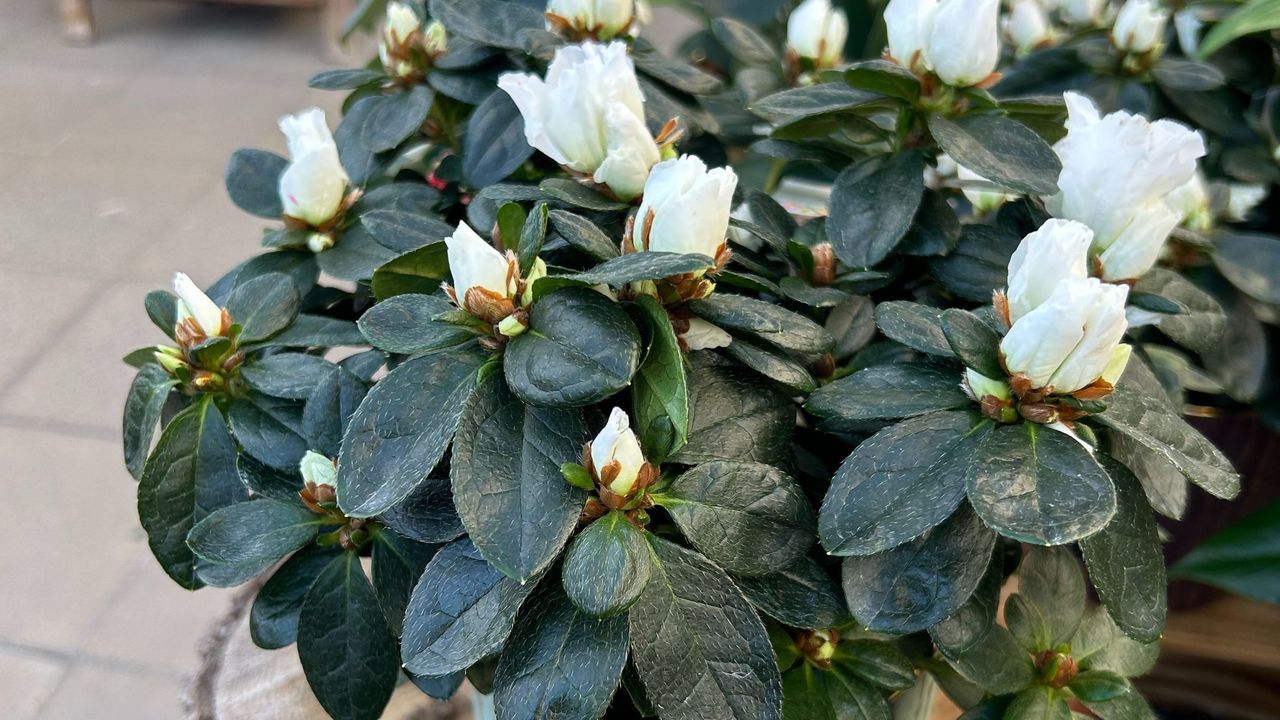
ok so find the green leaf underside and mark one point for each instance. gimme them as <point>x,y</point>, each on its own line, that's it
<point>258,531</point>
<point>150,389</point>
<point>660,392</point>
<point>801,595</point>
<point>607,566</point>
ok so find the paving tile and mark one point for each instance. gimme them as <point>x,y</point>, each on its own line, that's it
<point>38,308</point>
<point>75,503</point>
<point>26,683</point>
<point>153,622</point>
<point>101,693</point>
<point>46,107</point>
<point>80,377</point>
<point>84,216</point>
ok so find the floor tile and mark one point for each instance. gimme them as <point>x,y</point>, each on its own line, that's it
<point>26,683</point>
<point>39,308</point>
<point>100,693</point>
<point>153,622</point>
<point>81,532</point>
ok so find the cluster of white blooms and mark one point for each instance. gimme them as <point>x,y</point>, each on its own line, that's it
<point>1117,174</point>
<point>957,40</point>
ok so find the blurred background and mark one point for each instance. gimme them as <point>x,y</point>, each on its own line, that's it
<point>112,156</point>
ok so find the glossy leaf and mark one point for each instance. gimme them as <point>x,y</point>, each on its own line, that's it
<point>872,203</point>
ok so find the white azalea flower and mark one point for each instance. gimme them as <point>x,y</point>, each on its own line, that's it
<point>1116,174</point>
<point>588,115</point>
<point>1242,198</point>
<point>1057,251</point>
<point>314,184</point>
<point>1085,13</point>
<point>742,237</point>
<point>956,39</point>
<point>685,208</point>
<point>1192,202</point>
<point>981,192</point>
<point>474,263</point>
<point>1139,26</point>
<point>193,303</point>
<point>617,444</point>
<point>817,31</point>
<point>1069,340</point>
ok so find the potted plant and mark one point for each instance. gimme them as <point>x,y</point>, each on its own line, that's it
<point>538,385</point>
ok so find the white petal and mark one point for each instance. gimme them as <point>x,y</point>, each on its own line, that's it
<point>691,206</point>
<point>703,335</point>
<point>1136,250</point>
<point>964,43</point>
<point>1104,326</point>
<point>632,152</point>
<point>1038,342</point>
<point>1062,428</point>
<point>318,469</point>
<point>313,186</point>
<point>306,131</point>
<point>475,263</point>
<point>616,441</point>
<point>194,303</point>
<point>908,23</point>
<point>1058,250</point>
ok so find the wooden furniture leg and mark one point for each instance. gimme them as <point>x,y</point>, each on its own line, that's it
<point>77,21</point>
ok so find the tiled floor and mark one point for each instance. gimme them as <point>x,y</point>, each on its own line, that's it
<point>111,161</point>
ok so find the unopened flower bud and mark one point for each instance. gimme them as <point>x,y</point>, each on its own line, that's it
<point>958,40</point>
<point>401,30</point>
<point>1027,25</point>
<point>600,19</point>
<point>435,41</point>
<point>616,454</point>
<point>1139,27</point>
<point>816,31</point>
<point>318,469</point>
<point>482,276</point>
<point>319,242</point>
<point>168,361</point>
<point>195,305</point>
<point>1058,250</point>
<point>984,195</point>
<point>979,386</point>
<point>1242,198</point>
<point>685,208</point>
<point>512,325</point>
<point>537,272</point>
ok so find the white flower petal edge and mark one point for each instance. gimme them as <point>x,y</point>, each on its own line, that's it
<point>686,207</point>
<point>314,183</point>
<point>318,469</point>
<point>964,41</point>
<point>617,442</point>
<point>475,263</point>
<point>703,335</point>
<point>195,304</point>
<point>1058,250</point>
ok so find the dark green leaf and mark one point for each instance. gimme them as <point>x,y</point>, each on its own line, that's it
<point>899,483</point>
<point>329,409</point>
<point>607,566</point>
<point>801,595</point>
<point>1253,16</point>
<point>488,22</point>
<point>580,349</point>
<point>1200,325</point>
<point>916,584</point>
<point>877,662</point>
<point>1038,703</point>
<point>269,429</point>
<point>403,230</point>
<point>917,326</point>
<point>1139,409</point>
<point>418,271</point>
<point>578,195</point>
<point>1182,74</point>
<point>385,121</point>
<point>619,271</point>
<point>507,485</point>
<point>190,473</point>
<point>559,661</point>
<point>1251,262</point>
<point>494,145</point>
<point>461,611</point>
<point>1000,149</point>
<point>398,562</point>
<point>253,182</point>
<point>978,265</point>
<point>401,430</point>
<point>773,324</point>
<point>273,619</point>
<point>887,392</point>
<point>775,366</point>
<point>261,531</point>
<point>406,324</point>
<point>1049,581</point>
<point>265,481</point>
<point>659,393</point>
<point>884,77</point>
<point>700,648</point>
<point>583,235</point>
<point>811,101</point>
<point>973,341</point>
<point>427,514</point>
<point>347,651</point>
<point>812,694</point>
<point>1126,561</point>
<point>288,375</point>
<point>355,256</point>
<point>1244,558</point>
<point>263,306</point>
<point>532,235</point>
<point>316,331</point>
<point>872,204</point>
<point>1097,685</point>
<point>1038,485</point>
<point>735,417</point>
<point>148,393</point>
<point>748,518</point>
<point>743,43</point>
<point>345,79</point>
<point>162,308</point>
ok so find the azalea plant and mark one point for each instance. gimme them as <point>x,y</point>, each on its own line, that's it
<point>539,384</point>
